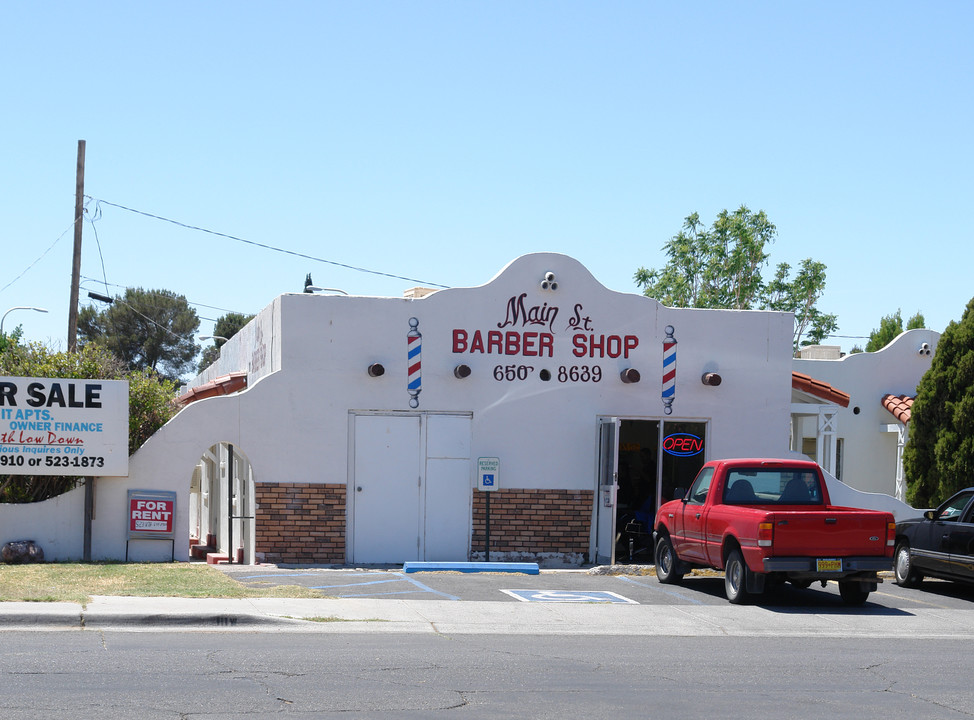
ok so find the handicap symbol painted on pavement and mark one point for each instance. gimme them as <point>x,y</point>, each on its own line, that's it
<point>569,596</point>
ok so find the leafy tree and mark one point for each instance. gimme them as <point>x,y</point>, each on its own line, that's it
<point>12,339</point>
<point>146,329</point>
<point>721,267</point>
<point>226,326</point>
<point>151,404</point>
<point>890,327</point>
<point>800,297</point>
<point>938,458</point>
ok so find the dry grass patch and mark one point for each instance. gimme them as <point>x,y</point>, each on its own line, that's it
<point>77,582</point>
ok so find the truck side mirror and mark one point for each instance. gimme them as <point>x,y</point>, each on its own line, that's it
<point>930,514</point>
<point>680,493</point>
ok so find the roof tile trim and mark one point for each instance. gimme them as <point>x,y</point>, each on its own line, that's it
<point>806,383</point>
<point>223,385</point>
<point>901,406</point>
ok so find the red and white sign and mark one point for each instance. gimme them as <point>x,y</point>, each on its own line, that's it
<point>151,515</point>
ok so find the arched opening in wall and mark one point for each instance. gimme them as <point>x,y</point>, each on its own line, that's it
<point>222,507</point>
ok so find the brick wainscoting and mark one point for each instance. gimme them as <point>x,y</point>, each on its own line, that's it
<point>300,523</point>
<point>525,523</point>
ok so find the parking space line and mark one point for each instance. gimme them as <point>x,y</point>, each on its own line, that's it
<point>397,577</point>
<point>355,584</point>
<point>659,588</point>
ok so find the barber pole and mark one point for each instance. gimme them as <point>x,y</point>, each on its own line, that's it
<point>669,370</point>
<point>414,345</point>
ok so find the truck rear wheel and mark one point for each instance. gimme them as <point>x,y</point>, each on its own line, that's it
<point>668,566</point>
<point>852,592</point>
<point>735,578</point>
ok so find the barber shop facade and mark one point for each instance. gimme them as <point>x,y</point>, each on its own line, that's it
<point>363,430</point>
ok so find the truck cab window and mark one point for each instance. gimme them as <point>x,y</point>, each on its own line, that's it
<point>700,487</point>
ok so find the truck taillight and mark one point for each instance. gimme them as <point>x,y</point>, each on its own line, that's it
<point>765,534</point>
<point>890,534</point>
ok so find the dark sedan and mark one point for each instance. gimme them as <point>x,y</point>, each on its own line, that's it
<point>939,544</point>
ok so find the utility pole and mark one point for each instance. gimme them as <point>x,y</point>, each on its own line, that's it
<point>79,209</point>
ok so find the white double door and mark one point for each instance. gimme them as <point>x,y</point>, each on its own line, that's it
<point>410,488</point>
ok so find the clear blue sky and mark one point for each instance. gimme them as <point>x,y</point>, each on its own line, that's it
<point>438,141</point>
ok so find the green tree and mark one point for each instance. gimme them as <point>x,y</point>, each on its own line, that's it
<point>721,267</point>
<point>226,326</point>
<point>938,458</point>
<point>11,339</point>
<point>151,404</point>
<point>146,329</point>
<point>800,296</point>
<point>890,327</point>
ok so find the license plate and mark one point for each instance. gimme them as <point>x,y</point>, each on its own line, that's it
<point>828,565</point>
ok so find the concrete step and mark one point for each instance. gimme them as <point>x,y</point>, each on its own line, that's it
<point>199,552</point>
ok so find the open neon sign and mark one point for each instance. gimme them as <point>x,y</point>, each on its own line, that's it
<point>682,444</point>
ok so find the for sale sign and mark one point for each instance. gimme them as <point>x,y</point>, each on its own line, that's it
<point>151,514</point>
<point>57,426</point>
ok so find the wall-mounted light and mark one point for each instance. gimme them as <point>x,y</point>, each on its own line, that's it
<point>548,281</point>
<point>629,375</point>
<point>712,379</point>
<point>376,370</point>
<point>924,349</point>
<point>316,289</point>
<point>461,371</point>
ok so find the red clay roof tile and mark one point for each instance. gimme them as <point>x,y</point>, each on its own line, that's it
<point>900,405</point>
<point>806,383</point>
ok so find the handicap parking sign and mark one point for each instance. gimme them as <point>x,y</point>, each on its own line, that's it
<point>488,473</point>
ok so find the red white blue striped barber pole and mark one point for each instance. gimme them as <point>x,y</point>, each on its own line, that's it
<point>669,370</point>
<point>414,345</point>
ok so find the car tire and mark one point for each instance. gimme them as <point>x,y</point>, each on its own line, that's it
<point>735,578</point>
<point>668,567</point>
<point>852,592</point>
<point>904,573</point>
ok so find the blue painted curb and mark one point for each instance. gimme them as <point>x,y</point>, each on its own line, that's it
<point>472,567</point>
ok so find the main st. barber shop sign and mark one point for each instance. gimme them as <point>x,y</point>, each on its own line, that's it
<point>56,426</point>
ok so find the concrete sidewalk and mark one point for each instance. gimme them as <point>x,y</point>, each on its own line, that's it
<point>452,618</point>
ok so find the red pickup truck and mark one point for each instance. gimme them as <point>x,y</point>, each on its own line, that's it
<point>766,521</point>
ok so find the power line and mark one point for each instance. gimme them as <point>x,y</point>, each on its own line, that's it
<point>24,272</point>
<point>265,246</point>
<point>197,304</point>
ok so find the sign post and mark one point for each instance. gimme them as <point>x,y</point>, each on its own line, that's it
<point>488,480</point>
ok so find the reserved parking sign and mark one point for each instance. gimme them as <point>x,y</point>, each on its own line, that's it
<point>488,472</point>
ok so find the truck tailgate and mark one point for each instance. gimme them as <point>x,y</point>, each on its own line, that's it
<point>833,532</point>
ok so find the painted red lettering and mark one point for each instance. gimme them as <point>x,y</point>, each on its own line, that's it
<point>477,344</point>
<point>495,342</point>
<point>547,343</point>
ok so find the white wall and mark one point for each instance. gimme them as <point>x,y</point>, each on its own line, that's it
<point>869,461</point>
<point>56,525</point>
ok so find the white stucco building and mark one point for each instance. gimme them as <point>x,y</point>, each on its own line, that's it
<point>358,430</point>
<point>865,431</point>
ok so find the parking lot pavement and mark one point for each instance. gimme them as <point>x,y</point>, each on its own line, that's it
<point>624,585</point>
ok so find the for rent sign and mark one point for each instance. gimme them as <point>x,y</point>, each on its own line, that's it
<point>56,426</point>
<point>151,514</point>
